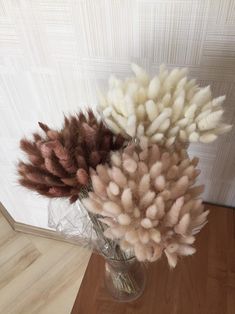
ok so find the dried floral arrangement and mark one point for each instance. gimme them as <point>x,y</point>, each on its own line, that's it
<point>166,108</point>
<point>129,168</point>
<point>60,160</point>
<point>147,199</point>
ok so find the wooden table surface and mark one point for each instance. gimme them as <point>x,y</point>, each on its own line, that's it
<point>200,284</point>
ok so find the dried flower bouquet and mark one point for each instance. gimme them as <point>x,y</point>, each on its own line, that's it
<point>147,198</point>
<point>129,168</point>
<point>59,161</point>
<point>166,108</point>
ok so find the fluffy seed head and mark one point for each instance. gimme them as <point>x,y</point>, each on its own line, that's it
<point>155,208</point>
<point>167,108</point>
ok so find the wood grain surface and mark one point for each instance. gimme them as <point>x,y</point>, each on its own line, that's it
<point>38,275</point>
<point>201,284</point>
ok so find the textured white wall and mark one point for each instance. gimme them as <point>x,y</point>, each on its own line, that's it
<point>53,55</point>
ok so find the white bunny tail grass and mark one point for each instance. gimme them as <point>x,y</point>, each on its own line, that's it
<point>148,202</point>
<point>166,108</point>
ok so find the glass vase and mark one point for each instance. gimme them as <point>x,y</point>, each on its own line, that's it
<point>125,279</point>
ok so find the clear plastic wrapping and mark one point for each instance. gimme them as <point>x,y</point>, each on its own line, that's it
<point>74,222</point>
<point>71,220</point>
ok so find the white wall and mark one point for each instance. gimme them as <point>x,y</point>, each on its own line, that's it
<point>53,54</point>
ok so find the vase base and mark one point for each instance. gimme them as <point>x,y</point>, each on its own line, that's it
<point>125,281</point>
<point>125,298</point>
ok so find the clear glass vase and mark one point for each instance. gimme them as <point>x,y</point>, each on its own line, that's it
<point>125,279</point>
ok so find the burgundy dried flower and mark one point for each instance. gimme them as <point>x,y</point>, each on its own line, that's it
<point>59,161</point>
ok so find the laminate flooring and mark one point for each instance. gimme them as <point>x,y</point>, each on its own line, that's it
<point>38,275</point>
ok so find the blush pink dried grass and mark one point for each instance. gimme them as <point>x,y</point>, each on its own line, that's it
<point>147,200</point>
